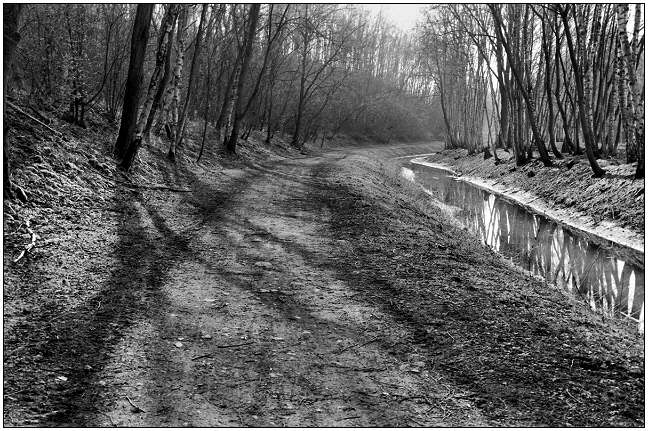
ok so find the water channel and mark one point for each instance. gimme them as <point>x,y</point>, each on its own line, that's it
<point>608,276</point>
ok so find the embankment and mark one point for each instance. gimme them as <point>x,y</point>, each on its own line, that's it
<point>612,207</point>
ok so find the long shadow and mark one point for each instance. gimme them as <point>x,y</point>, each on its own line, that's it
<point>84,338</point>
<point>287,305</point>
<point>213,203</point>
<point>208,204</point>
<point>77,343</point>
<point>521,365</point>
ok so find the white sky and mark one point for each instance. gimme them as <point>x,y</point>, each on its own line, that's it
<point>402,15</point>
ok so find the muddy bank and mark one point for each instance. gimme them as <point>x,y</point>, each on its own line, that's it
<point>610,207</point>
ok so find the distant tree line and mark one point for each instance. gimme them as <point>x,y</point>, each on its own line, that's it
<point>556,79</point>
<point>306,71</point>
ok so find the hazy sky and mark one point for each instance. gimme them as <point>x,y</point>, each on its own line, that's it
<point>401,15</point>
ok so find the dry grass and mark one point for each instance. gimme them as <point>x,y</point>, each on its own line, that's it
<point>617,197</point>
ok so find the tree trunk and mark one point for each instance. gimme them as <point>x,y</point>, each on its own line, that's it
<point>208,96</point>
<point>269,45</point>
<point>504,98</point>
<point>126,146</point>
<point>585,125</point>
<point>302,86</point>
<point>611,114</point>
<point>163,84</point>
<point>546,49</point>
<point>177,79</point>
<point>224,109</point>
<point>587,76</point>
<point>235,114</point>
<point>524,89</point>
<point>634,111</point>
<point>166,33</point>
<point>215,19</point>
<point>571,144</point>
<point>192,71</point>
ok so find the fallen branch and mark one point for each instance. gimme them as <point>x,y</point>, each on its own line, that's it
<point>143,186</point>
<point>11,105</point>
<point>29,246</point>
<point>136,407</point>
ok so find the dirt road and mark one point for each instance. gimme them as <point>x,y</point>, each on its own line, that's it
<point>294,293</point>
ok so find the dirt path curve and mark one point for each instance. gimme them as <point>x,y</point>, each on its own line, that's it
<point>248,329</point>
<point>298,292</point>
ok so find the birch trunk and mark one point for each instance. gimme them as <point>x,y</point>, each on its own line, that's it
<point>177,78</point>
<point>634,110</point>
<point>192,72</point>
<point>234,115</point>
<point>159,93</point>
<point>626,75</point>
<point>578,77</point>
<point>163,45</point>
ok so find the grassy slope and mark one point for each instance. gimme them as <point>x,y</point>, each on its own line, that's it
<point>617,197</point>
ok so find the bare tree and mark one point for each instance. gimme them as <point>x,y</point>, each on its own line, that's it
<point>192,71</point>
<point>127,143</point>
<point>174,91</point>
<point>523,81</point>
<point>234,117</point>
<point>586,124</point>
<point>166,34</point>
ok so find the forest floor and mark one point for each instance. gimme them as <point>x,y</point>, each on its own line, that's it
<point>281,289</point>
<point>568,188</point>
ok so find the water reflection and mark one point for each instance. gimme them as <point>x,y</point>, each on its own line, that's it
<point>610,278</point>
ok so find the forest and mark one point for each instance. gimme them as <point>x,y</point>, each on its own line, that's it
<point>323,215</point>
<point>308,70</point>
<point>540,80</point>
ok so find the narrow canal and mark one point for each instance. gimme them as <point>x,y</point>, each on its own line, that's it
<point>606,275</point>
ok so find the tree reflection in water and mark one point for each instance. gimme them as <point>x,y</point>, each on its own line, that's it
<point>608,277</point>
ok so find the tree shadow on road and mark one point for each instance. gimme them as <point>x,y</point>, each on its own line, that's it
<point>525,353</point>
<point>63,348</point>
